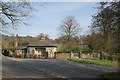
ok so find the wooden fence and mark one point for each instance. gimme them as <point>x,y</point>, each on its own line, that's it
<point>62,55</point>
<point>89,54</point>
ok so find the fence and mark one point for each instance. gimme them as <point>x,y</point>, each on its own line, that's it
<point>83,54</point>
<point>62,55</point>
<point>89,54</point>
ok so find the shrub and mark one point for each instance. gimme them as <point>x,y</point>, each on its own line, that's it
<point>76,49</point>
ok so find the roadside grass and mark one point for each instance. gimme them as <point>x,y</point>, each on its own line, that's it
<point>111,75</point>
<point>96,62</point>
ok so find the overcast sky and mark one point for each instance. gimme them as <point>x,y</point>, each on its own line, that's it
<point>50,15</point>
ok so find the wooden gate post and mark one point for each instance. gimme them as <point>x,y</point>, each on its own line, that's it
<point>93,53</point>
<point>23,55</point>
<point>70,54</point>
<point>80,54</point>
<point>54,55</point>
<point>100,55</point>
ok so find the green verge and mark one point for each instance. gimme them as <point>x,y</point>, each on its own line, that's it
<point>111,75</point>
<point>96,62</point>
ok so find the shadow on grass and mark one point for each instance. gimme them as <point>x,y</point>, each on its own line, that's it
<point>111,75</point>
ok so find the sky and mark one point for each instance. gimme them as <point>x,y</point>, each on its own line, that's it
<point>49,16</point>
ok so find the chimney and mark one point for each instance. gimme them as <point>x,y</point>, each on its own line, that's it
<point>15,43</point>
<point>42,37</point>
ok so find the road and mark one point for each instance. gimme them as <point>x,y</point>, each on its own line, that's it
<point>0,66</point>
<point>50,68</point>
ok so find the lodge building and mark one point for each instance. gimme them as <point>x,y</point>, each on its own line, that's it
<point>41,49</point>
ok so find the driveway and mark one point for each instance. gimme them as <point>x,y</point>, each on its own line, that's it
<point>50,68</point>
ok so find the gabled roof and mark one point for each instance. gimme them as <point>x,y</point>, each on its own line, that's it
<point>41,43</point>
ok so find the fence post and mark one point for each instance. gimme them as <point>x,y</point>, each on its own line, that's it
<point>70,54</point>
<point>93,54</point>
<point>54,55</point>
<point>100,55</point>
<point>80,54</point>
<point>23,55</point>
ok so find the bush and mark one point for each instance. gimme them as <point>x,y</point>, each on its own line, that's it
<point>76,49</point>
<point>5,53</point>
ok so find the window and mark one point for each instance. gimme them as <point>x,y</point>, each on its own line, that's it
<point>31,51</point>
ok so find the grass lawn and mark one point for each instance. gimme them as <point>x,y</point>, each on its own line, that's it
<point>96,62</point>
<point>111,75</point>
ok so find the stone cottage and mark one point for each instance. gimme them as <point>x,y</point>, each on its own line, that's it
<point>41,48</point>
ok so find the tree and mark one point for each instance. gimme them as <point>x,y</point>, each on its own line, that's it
<point>69,28</point>
<point>95,41</point>
<point>14,13</point>
<point>107,22</point>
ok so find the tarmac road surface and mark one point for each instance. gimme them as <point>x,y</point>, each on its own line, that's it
<point>50,68</point>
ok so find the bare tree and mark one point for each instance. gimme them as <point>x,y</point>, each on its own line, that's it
<point>14,13</point>
<point>69,28</point>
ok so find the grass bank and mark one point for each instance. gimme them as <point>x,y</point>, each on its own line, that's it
<point>111,75</point>
<point>96,62</point>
